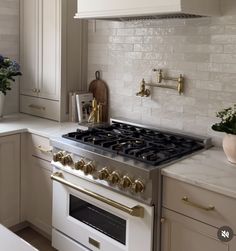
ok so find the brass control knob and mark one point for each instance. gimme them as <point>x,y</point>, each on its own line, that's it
<point>103,174</point>
<point>79,165</point>
<point>58,156</point>
<point>114,177</point>
<point>66,160</point>
<point>126,182</point>
<point>89,168</point>
<point>138,186</point>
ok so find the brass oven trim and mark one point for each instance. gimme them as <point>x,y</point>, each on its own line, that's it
<point>136,211</point>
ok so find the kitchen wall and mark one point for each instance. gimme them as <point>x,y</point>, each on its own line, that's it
<point>9,45</point>
<point>204,50</point>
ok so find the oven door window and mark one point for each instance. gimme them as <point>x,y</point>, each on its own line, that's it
<point>99,219</point>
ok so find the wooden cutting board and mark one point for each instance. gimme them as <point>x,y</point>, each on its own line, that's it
<point>100,91</point>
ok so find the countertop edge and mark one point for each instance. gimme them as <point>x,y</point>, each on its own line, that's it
<point>194,182</point>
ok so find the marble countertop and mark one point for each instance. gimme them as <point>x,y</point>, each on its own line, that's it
<point>209,169</point>
<point>10,241</point>
<point>19,123</point>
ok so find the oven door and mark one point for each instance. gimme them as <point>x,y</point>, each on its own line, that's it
<point>98,218</point>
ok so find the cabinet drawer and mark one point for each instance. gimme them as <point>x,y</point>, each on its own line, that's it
<point>40,107</point>
<point>63,243</point>
<point>181,233</point>
<point>196,203</point>
<point>40,147</point>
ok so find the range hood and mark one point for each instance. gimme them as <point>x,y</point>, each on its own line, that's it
<point>143,9</point>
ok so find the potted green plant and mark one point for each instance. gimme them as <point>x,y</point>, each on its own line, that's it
<point>228,125</point>
<point>9,69</point>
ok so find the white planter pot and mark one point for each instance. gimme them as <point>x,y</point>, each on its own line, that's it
<point>229,146</point>
<point>2,99</point>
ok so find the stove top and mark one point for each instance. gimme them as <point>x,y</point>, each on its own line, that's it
<point>151,146</point>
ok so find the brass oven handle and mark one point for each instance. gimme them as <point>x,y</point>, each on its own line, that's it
<point>136,211</point>
<point>43,150</point>
<point>186,200</point>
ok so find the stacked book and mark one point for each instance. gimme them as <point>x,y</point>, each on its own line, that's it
<point>80,106</point>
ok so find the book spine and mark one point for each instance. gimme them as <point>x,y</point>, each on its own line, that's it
<point>70,106</point>
<point>79,108</point>
<point>74,109</point>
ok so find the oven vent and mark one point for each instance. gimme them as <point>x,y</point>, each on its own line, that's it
<point>158,17</point>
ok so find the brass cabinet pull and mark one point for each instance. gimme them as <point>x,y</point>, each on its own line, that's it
<point>38,107</point>
<point>136,211</point>
<point>186,200</point>
<point>43,150</point>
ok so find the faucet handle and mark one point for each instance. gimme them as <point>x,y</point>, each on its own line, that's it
<point>157,70</point>
<point>159,75</point>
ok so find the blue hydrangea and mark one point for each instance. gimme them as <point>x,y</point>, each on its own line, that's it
<point>1,59</point>
<point>9,69</point>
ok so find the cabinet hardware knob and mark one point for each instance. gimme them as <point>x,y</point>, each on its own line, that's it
<point>163,220</point>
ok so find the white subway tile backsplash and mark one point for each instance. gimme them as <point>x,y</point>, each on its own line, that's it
<point>9,46</point>
<point>209,85</point>
<point>125,32</point>
<point>223,39</point>
<point>204,50</point>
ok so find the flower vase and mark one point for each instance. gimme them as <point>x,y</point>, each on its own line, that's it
<point>2,99</point>
<point>229,146</point>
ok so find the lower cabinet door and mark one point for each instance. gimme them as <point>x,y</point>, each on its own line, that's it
<point>181,233</point>
<point>10,180</point>
<point>40,195</point>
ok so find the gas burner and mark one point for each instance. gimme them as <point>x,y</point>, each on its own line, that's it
<point>151,146</point>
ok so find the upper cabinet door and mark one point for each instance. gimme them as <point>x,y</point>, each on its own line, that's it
<point>29,47</point>
<point>40,48</point>
<point>50,56</point>
<point>133,8</point>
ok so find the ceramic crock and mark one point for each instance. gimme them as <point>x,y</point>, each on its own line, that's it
<point>229,146</point>
<point>2,99</point>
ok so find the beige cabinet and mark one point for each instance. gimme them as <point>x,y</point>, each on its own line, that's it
<point>191,218</point>
<point>181,233</point>
<point>40,197</point>
<point>38,49</point>
<point>36,185</point>
<point>10,180</point>
<point>53,56</point>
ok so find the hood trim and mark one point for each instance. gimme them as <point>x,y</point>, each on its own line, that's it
<point>154,17</point>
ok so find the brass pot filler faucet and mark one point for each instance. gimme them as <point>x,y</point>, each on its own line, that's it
<point>144,92</point>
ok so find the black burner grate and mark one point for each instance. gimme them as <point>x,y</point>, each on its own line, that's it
<point>150,146</point>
